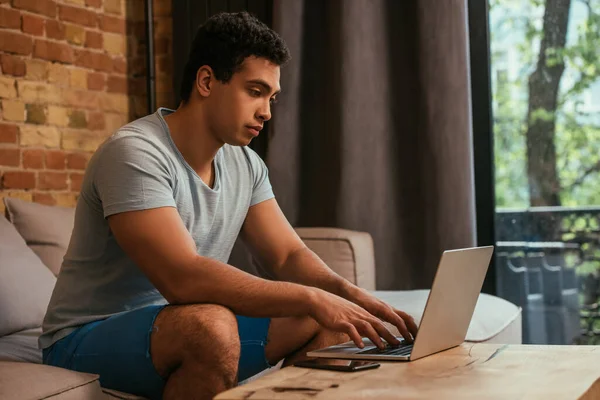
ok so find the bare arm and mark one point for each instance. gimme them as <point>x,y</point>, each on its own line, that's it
<point>167,255</point>
<point>279,249</point>
<point>160,245</point>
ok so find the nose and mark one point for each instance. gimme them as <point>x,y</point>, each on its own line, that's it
<point>264,113</point>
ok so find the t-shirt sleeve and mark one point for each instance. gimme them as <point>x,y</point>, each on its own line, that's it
<point>262,189</point>
<point>132,174</point>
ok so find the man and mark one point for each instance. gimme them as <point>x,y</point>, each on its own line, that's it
<point>145,297</point>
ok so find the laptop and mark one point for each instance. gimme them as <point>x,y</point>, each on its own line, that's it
<point>447,314</point>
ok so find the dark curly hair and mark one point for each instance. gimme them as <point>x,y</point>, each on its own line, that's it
<point>224,41</point>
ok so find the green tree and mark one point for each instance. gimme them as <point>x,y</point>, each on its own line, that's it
<point>547,147</point>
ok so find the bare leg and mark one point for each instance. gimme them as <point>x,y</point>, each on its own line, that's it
<point>291,338</point>
<point>197,348</point>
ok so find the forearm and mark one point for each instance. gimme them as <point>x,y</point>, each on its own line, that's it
<point>211,281</point>
<point>305,267</point>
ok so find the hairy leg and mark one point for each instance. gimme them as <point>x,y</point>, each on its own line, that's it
<point>196,348</point>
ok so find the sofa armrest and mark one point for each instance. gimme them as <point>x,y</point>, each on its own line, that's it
<point>348,253</point>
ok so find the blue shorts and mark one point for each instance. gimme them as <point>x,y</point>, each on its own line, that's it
<point>118,349</point>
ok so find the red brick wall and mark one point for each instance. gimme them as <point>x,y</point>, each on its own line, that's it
<point>73,71</point>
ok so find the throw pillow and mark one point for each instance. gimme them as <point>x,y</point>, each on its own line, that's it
<point>25,283</point>
<point>46,229</point>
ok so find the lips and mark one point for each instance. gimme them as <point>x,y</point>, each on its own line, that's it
<point>255,130</point>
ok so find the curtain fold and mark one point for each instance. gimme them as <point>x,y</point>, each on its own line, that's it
<point>373,128</point>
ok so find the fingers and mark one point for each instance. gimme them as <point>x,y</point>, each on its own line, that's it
<point>410,322</point>
<point>367,330</point>
<point>351,331</point>
<point>385,333</point>
<point>399,323</point>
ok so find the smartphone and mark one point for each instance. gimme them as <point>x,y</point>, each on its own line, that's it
<point>334,364</point>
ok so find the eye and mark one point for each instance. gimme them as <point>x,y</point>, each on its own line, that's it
<point>274,101</point>
<point>255,93</point>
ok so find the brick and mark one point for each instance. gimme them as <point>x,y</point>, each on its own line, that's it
<point>77,119</point>
<point>36,114</point>
<point>95,121</point>
<point>56,160</point>
<point>81,99</point>
<point>113,7</point>
<point>161,8</point>
<point>117,84</point>
<point>164,65</point>
<point>7,88</point>
<point>114,121</point>
<point>59,74</point>
<point>77,2</point>
<point>18,180</point>
<point>32,25</point>
<point>93,40</point>
<point>52,51</point>
<point>77,161</point>
<point>38,135</point>
<point>52,180</point>
<point>55,29</point>
<point>66,199</point>
<point>161,46</point>
<point>93,60</point>
<point>18,43</point>
<point>113,24</point>
<point>38,92</point>
<point>137,65</point>
<point>135,10</point>
<point>120,65</point>
<point>78,78</point>
<point>10,157</point>
<point>140,108</point>
<point>80,140</point>
<point>76,181</point>
<point>44,198</point>
<point>12,65</point>
<point>96,81</point>
<point>163,27</point>
<point>58,116</point>
<point>10,18</point>
<point>45,7</point>
<point>33,159</point>
<point>93,3</point>
<point>114,44</point>
<point>114,102</point>
<point>137,86</point>
<point>78,15</point>
<point>8,133</point>
<point>13,110</point>
<point>75,34</point>
<point>36,70</point>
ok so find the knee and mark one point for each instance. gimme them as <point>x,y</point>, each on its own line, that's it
<point>213,336</point>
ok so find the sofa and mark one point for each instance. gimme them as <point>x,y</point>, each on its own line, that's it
<point>33,241</point>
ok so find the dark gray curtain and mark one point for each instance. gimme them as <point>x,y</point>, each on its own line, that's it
<point>373,129</point>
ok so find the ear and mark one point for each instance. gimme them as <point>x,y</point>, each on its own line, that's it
<point>204,80</point>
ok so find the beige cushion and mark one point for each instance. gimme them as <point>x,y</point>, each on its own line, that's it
<point>21,346</point>
<point>348,253</point>
<point>25,283</point>
<point>494,318</point>
<point>34,381</point>
<point>46,229</point>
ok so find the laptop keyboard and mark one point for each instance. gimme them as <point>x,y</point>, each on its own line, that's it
<point>403,350</point>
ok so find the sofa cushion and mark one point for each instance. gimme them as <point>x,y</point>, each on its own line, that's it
<point>493,317</point>
<point>25,283</point>
<point>35,381</point>
<point>21,346</point>
<point>46,229</point>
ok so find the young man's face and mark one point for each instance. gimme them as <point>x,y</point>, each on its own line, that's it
<point>239,108</point>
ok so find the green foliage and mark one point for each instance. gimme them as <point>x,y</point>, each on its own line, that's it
<point>517,24</point>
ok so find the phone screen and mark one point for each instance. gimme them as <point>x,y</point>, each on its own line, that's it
<point>337,364</point>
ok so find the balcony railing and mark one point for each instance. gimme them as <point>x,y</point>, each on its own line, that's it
<point>548,261</point>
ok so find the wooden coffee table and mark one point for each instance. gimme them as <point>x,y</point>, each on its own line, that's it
<point>470,371</point>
